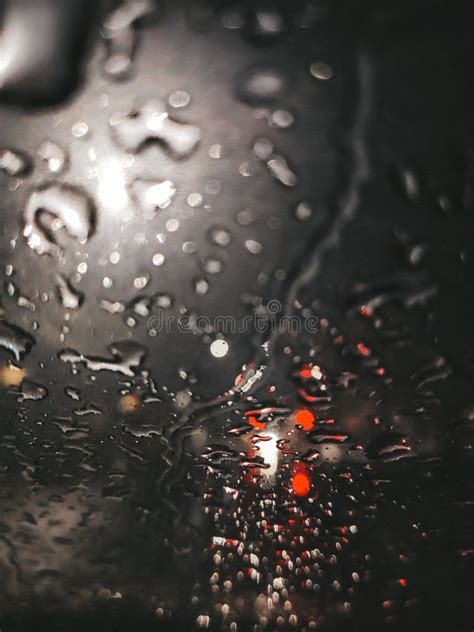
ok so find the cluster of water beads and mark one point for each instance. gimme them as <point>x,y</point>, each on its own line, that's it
<point>269,551</point>
<point>57,205</point>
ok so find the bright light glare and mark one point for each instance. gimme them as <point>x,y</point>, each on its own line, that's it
<point>269,451</point>
<point>159,195</point>
<point>112,191</point>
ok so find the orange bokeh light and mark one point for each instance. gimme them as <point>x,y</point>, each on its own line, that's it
<point>300,483</point>
<point>305,418</point>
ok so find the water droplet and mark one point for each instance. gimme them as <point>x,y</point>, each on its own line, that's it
<point>220,236</point>
<point>158,259</point>
<point>79,129</point>
<point>267,23</point>
<point>120,37</point>
<point>112,307</point>
<point>87,410</point>
<point>30,390</point>
<point>303,211</point>
<point>164,301</point>
<point>14,339</point>
<point>70,297</point>
<point>126,356</point>
<point>213,266</point>
<point>153,122</point>
<point>141,282</point>
<point>260,84</point>
<point>253,246</point>
<point>152,195</point>
<point>172,225</point>
<point>263,148</point>
<point>219,348</point>
<point>201,286</point>
<point>232,19</point>
<point>69,207</point>
<point>73,393</point>
<point>281,171</point>
<point>13,162</point>
<point>409,183</point>
<point>245,217</point>
<point>277,165</point>
<point>245,169</point>
<point>53,156</point>
<point>142,305</point>
<point>215,151</point>
<point>194,199</point>
<point>179,99</point>
<point>189,247</point>
<point>281,119</point>
<point>320,70</point>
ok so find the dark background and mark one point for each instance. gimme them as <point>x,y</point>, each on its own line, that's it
<point>114,502</point>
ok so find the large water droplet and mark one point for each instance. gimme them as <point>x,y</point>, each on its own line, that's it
<point>152,122</point>
<point>260,85</point>
<point>119,33</point>
<point>30,390</point>
<point>14,339</point>
<point>70,208</point>
<point>126,356</point>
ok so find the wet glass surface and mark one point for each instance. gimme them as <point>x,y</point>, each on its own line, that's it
<point>236,317</point>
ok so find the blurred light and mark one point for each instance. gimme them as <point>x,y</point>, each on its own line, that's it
<point>10,375</point>
<point>112,191</point>
<point>269,452</point>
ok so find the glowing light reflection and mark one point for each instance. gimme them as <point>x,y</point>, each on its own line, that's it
<point>112,191</point>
